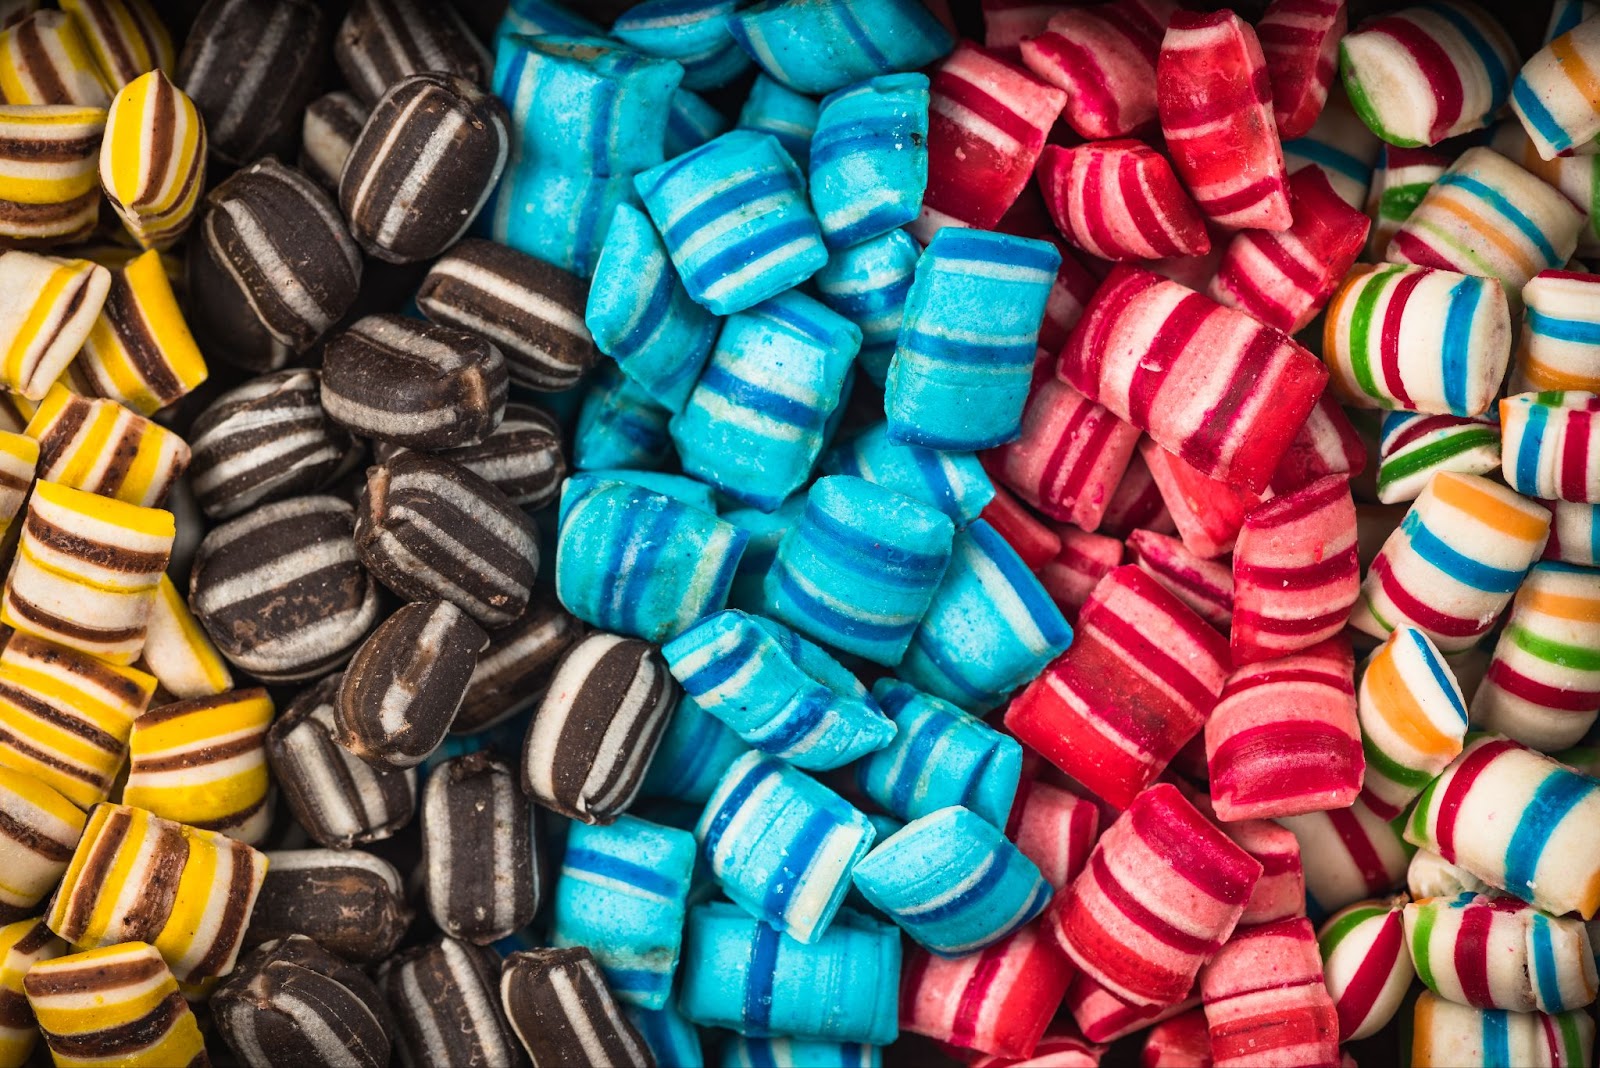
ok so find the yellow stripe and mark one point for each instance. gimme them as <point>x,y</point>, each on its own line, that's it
<point>59,904</point>
<point>116,879</point>
<point>42,797</point>
<point>44,308</point>
<point>152,522</point>
<point>1480,499</point>
<point>192,902</point>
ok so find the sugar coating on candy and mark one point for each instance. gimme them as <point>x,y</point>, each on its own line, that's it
<point>1348,854</point>
<point>115,1003</point>
<point>203,762</point>
<point>101,447</point>
<point>382,42</point>
<point>1413,720</point>
<point>1366,965</point>
<point>1400,180</point>
<point>42,828</point>
<point>1080,562</point>
<point>1103,57</point>
<point>817,48</point>
<point>139,351</point>
<point>153,159</point>
<point>669,1034</point>
<point>1415,447</point>
<point>1119,200</point>
<point>1265,999</point>
<point>445,998</point>
<point>1104,1017</point>
<point>1445,1033</point>
<point>49,181</point>
<point>47,310</point>
<point>1136,503</point>
<point>44,59</point>
<point>696,750</point>
<point>1204,585</point>
<point>1054,828</point>
<point>869,158</point>
<point>691,122</point>
<point>351,902</point>
<point>1179,1041</point>
<point>1300,40</point>
<point>953,482</point>
<point>619,425</point>
<point>1208,513</point>
<point>1500,953</point>
<point>1559,346</point>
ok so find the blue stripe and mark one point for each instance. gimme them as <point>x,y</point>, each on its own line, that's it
<point>858,34</point>
<point>792,312</point>
<point>973,895</point>
<point>1571,15</point>
<point>835,141</point>
<point>1496,1039</point>
<point>801,721</point>
<point>1035,601</point>
<point>758,399</point>
<point>763,770</point>
<point>924,736</point>
<point>758,980</point>
<point>825,615</point>
<point>947,668</point>
<point>937,482</point>
<point>1457,342</point>
<point>1574,330</point>
<point>1491,61</point>
<point>585,237</point>
<point>1594,532</point>
<point>1017,357</point>
<point>637,980</point>
<point>1547,976</point>
<point>633,604</point>
<point>833,537</point>
<point>723,666</point>
<point>655,312</point>
<point>1441,676</point>
<point>1426,544</point>
<point>604,121</point>
<point>650,182</point>
<point>1560,792</point>
<point>736,257</point>
<point>626,871</point>
<point>717,209</point>
<point>1537,115</point>
<point>1497,200</point>
<point>1529,447</point>
<point>1334,159</point>
<point>700,746</point>
<point>999,249</point>
<point>883,218</point>
<point>798,855</point>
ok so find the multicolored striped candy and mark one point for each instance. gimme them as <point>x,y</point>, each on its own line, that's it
<point>1415,447</point>
<point>1327,444</point>
<point>1529,824</point>
<point>1559,347</point>
<point>49,185</point>
<point>817,48</point>
<point>1545,450</point>
<point>119,1004</point>
<point>1499,953</point>
<point>1454,49</point>
<point>101,447</point>
<point>1300,40</point>
<point>1413,720</point>
<point>45,60</point>
<point>1054,828</point>
<point>1103,57</point>
<point>47,308</point>
<point>1543,685</point>
<point>1430,875</point>
<point>1137,683</point>
<point>153,159</point>
<point>204,762</point>
<point>1204,585</point>
<point>1070,457</point>
<point>1447,1035</point>
<point>1365,965</point>
<point>1487,216</point>
<point>953,482</point>
<point>1400,180</point>
<point>1557,92</point>
<point>1077,568</point>
<point>19,462</point>
<point>1280,893</point>
<point>1348,854</point>
<point>1574,533</point>
<point>1340,145</point>
<point>1180,1042</point>
<point>1265,999</point>
<point>1458,556</point>
<point>22,945</point>
<point>1119,200</point>
<point>1207,512</point>
<point>1215,101</point>
<point>1208,383</point>
<point>40,830</point>
<point>139,351</point>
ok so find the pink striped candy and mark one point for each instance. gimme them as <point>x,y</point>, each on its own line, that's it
<point>1283,278</point>
<point>1136,504</point>
<point>1075,283</point>
<point>1070,457</point>
<point>998,1001</point>
<point>1204,585</point>
<point>1104,1017</point>
<point>1083,561</point>
<point>1141,675</point>
<point>1348,854</point>
<point>1207,513</point>
<point>1181,1042</point>
<point>1365,965</point>
<point>1163,891</point>
<point>987,122</point>
<point>1059,1048</point>
<point>1036,543</point>
<point>1300,39</point>
<point>1215,101</point>
<point>1327,444</point>
<point>1266,1004</point>
<point>1104,58</point>
<point>1007,22</point>
<point>1280,893</point>
<point>1295,573</point>
<point>1283,739</point>
<point>1054,828</point>
<point>1119,200</point>
<point>1208,383</point>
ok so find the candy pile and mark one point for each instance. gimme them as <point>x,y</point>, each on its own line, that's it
<point>748,533</point>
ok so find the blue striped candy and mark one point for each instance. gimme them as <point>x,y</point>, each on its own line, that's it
<point>868,284</point>
<point>869,158</point>
<point>694,753</point>
<point>672,1039</point>
<point>736,220</point>
<point>678,487</point>
<point>621,893</point>
<point>953,482</point>
<point>691,122</point>
<point>693,32</point>
<point>554,213</point>
<point>777,691</point>
<point>783,113</point>
<point>964,363</point>
<point>529,18</point>
<point>859,568</point>
<point>816,48</point>
<point>766,530</point>
<point>758,417</point>
<point>619,425</point>
<point>741,1052</point>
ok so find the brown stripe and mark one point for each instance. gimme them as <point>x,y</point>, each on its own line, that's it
<point>176,709</point>
<point>22,747</point>
<point>33,58</point>
<point>35,840</point>
<point>127,1041</point>
<point>153,907</point>
<point>58,437</point>
<point>211,754</point>
<point>39,708</point>
<point>65,627</point>
<point>235,911</point>
<point>80,666</point>
<point>117,558</point>
<point>15,1012</point>
<point>89,977</point>
<point>83,893</point>
<point>161,145</point>
<point>126,67</point>
<point>50,149</point>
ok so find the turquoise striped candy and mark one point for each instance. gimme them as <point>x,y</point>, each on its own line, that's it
<point>530,18</point>
<point>783,113</point>
<point>953,482</point>
<point>766,530</point>
<point>692,120</point>
<point>619,425</point>
<point>816,48</point>
<point>693,32</point>
<point>742,1052</point>
<point>868,284</point>
<point>869,158</point>
<point>672,1039</point>
<point>694,753</point>
<point>554,213</point>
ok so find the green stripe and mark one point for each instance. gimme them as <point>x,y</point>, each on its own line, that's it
<point>1419,945</point>
<point>1561,654</point>
<point>1366,599</point>
<point>1340,928</point>
<point>1398,203</point>
<point>1390,768</point>
<point>1363,105</point>
<point>1409,463</point>
<point>1419,814</point>
<point>1361,330</point>
<point>1452,242</point>
<point>1571,1048</point>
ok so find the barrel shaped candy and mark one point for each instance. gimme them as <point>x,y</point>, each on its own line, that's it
<point>204,762</point>
<point>480,870</point>
<point>49,186</point>
<point>1413,720</point>
<point>1119,200</point>
<point>152,162</point>
<point>953,482</point>
<point>19,462</point>
<point>42,828</point>
<point>1347,854</point>
<point>48,308</point>
<point>1178,1042</point>
<point>140,351</point>
<point>869,158</point>
<point>1226,393</point>
<point>381,42</point>
<point>1265,999</point>
<point>1574,534</point>
<point>691,122</point>
<point>789,116</point>
<point>1204,585</point>
<point>117,1004</point>
<point>1415,447</point>
<point>1300,40</point>
<point>1559,347</point>
<point>1208,513</point>
<point>1454,562</point>
<point>1500,953</point>
<point>1545,450</point>
<point>22,945</point>
<point>1457,50</point>
<point>619,425</point>
<point>1554,92</point>
<point>1430,875</point>
<point>1447,1035</point>
<point>1543,685</point>
<point>1528,825</point>
<point>562,1010</point>
<point>443,997</point>
<point>44,59</point>
<point>1328,444</point>
<point>694,34</point>
<point>1214,98</point>
<point>1401,179</point>
<point>1280,893</point>
<point>1366,965</point>
<point>816,49</point>
<point>328,132</point>
<point>1103,56</point>
<point>101,447</point>
<point>964,361</point>
<point>1136,684</point>
<point>778,692</point>
<point>1105,1017</point>
<point>351,901</point>
<point>867,284</point>
<point>554,214</point>
<point>741,1052</point>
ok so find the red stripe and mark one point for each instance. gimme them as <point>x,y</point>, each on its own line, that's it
<point>1453,795</point>
<point>1240,199</point>
<point>954,87</point>
<point>1145,651</point>
<point>1196,849</point>
<point>1436,65</point>
<point>1203,447</point>
<point>1078,66</point>
<point>1472,956</point>
<point>1415,250</point>
<point>1307,577</point>
<point>1140,916</point>
<point>1389,338</point>
<point>1371,976</point>
<point>1081,360</point>
<point>1575,456</point>
<point>1278,761</point>
<point>1134,170</point>
<point>1424,615</point>
<point>1564,699</point>
<point>1169,347</point>
<point>1423,427</point>
<point>1084,193</point>
<point>969,1011</point>
<point>1360,848</point>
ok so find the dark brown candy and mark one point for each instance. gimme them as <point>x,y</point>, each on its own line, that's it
<point>480,865</point>
<point>444,1000</point>
<point>531,309</point>
<point>522,458</point>
<point>404,685</point>
<point>513,672</point>
<point>339,799</point>
<point>333,122</point>
<point>280,590</point>
<point>220,316</point>
<point>351,903</point>
<point>293,1002</point>
<point>429,529</point>
<point>423,166</point>
<point>381,42</point>
<point>563,1012</point>
<point>412,383</point>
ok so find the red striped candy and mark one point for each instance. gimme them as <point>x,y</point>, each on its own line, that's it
<point>1070,457</point>
<point>1075,282</point>
<point>1059,1048</point>
<point>1136,504</point>
<point>1036,543</point>
<point>1266,1003</point>
<point>1300,39</point>
<point>1208,513</point>
<point>1181,1042</point>
<point>1141,675</point>
<point>1104,1017</point>
<point>1280,893</point>
<point>1327,444</point>
<point>1054,828</point>
<point>1204,585</point>
<point>1104,58</point>
<point>1215,100</point>
<point>1007,22</point>
<point>1083,561</point>
<point>1208,383</point>
<point>1120,200</point>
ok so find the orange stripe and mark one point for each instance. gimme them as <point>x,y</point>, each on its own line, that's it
<point>1559,605</point>
<point>1422,1032</point>
<point>1469,493</point>
<point>1400,708</point>
<point>1484,229</point>
<point>1576,68</point>
<point>1547,376</point>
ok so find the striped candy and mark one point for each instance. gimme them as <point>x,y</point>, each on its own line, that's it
<point>1530,824</point>
<point>203,762</point>
<point>1447,1035</point>
<point>101,447</point>
<point>695,34</point>
<point>1559,347</point>
<point>1180,1042</point>
<point>1104,1017</point>
<point>1204,585</point>
<point>1415,447</point>
<point>1454,562</point>
<point>1119,200</point>
<point>117,1004</point>
<point>1300,40</point>
<point>1348,854</point>
<point>1077,568</point>
<point>1545,450</point>
<point>1208,513</point>
<point>139,351</point>
<point>785,114</point>
<point>39,829</point>
<point>1295,574</point>
<point>817,48</point>
<point>694,753</point>
<point>328,132</point>
<point>742,1052</point>
<point>1266,1002</point>
<point>869,158</point>
<point>1401,179</point>
<point>1137,683</point>
<point>1543,686</point>
<point>49,188</point>
<point>987,123</point>
<point>1327,444</point>
<point>127,37</point>
<point>1070,457</point>
<point>153,159</point>
<point>1487,216</point>
<point>1430,875</point>
<point>1061,1047</point>
<point>1340,145</point>
<point>47,308</point>
<point>1574,533</point>
<point>1499,953</point>
<point>19,461</point>
<point>1136,504</point>
<point>867,284</point>
<point>1280,893</point>
<point>1216,116</point>
<point>1453,49</point>
<point>953,482</point>
<point>1035,543</point>
<point>1284,278</point>
<point>1413,720</point>
<point>1055,829</point>
<point>1557,92</point>
<point>22,945</point>
<point>554,214</point>
<point>691,122</point>
<point>1365,965</point>
<point>1574,175</point>
<point>1224,392</point>
<point>45,60</point>
<point>1103,57</point>
<point>619,425</point>
<point>1417,339</point>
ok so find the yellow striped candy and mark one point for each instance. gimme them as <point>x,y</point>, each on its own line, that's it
<point>177,650</point>
<point>47,308</point>
<point>203,762</point>
<point>153,159</point>
<point>99,446</point>
<point>140,351</point>
<point>39,829</point>
<point>126,37</point>
<point>49,177</point>
<point>19,459</point>
<point>45,60</point>
<point>22,945</point>
<point>121,1002</point>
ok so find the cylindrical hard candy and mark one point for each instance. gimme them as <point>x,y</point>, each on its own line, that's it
<point>315,607</point>
<point>1265,1000</point>
<point>672,565</point>
<point>1341,146</point>
<point>563,1012</point>
<point>1499,953</point>
<point>1300,40</point>
<point>1119,200</point>
<point>816,49</point>
<point>696,750</point>
<point>1105,1017</point>
<point>1280,893</point>
<point>1070,457</point>
<point>641,316</point>
<point>695,34</point>
<point>1488,216</point>
<point>445,999</point>
<point>1136,504</point>
<point>991,626</point>
<point>1136,684</point>
<point>692,121</point>
<point>740,973</point>
<point>1400,180</point>
<point>619,425</point>
<point>204,762</point>
<point>953,482</point>
<point>23,944</point>
<point>1055,829</point>
<point>49,186</point>
<point>1529,822</point>
<point>41,830</point>
<point>988,120</point>
<point>759,415</point>
<point>515,668</point>
<point>867,284</point>
<point>332,123</point>
<point>1554,94</point>
<point>1447,1035</point>
<point>101,447</point>
<point>1545,449</point>
<point>964,361</point>
<point>480,861</point>
<point>741,1052</point>
<point>869,158</point>
<point>117,1004</point>
<point>48,306</point>
<point>1413,720</point>
<point>1208,513</point>
<point>1453,564</point>
<point>1214,98</point>
<point>789,116</point>
<point>381,42</point>
<point>1348,854</point>
<point>999,1001</point>
<point>1180,1042</point>
<point>280,238</point>
<point>1559,347</point>
<point>735,219</point>
<point>669,1034</point>
<point>1225,393</point>
<point>1077,568</point>
<point>556,215</point>
<point>1574,533</point>
<point>351,902</point>
<point>140,351</point>
<point>781,694</point>
<point>1365,965</point>
<point>153,159</point>
<point>1103,57</point>
<point>1204,585</point>
<point>1456,53</point>
<point>45,60</point>
<point>1415,447</point>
